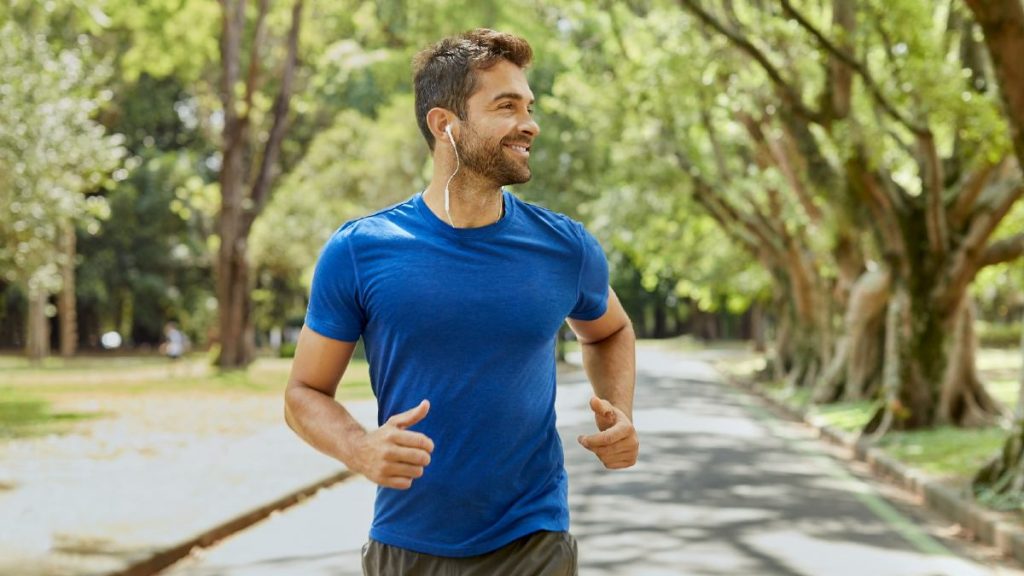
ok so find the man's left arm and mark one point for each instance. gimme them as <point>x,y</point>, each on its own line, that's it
<point>609,359</point>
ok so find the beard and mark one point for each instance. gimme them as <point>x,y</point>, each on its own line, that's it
<point>493,161</point>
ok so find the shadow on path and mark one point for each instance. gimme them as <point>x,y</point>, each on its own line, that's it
<point>721,491</point>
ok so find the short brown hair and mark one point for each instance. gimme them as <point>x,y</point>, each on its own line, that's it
<point>444,74</point>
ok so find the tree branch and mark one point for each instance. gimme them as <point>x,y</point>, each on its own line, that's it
<point>969,191</point>
<point>857,66</point>
<point>232,23</point>
<point>1002,251</point>
<point>757,230</point>
<point>789,94</point>
<point>880,203</point>
<point>780,153</point>
<point>259,38</point>
<point>935,213</point>
<point>967,259</point>
<point>261,187</point>
<point>836,96</point>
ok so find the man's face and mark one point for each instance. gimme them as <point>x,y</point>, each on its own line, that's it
<point>494,141</point>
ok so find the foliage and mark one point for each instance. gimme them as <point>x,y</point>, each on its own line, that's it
<point>624,90</point>
<point>52,152</point>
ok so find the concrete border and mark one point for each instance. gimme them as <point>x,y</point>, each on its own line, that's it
<point>990,527</point>
<point>161,559</point>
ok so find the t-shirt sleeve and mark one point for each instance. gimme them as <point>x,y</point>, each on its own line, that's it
<point>592,290</point>
<point>335,310</point>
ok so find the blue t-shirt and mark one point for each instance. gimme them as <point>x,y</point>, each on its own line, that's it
<point>466,318</point>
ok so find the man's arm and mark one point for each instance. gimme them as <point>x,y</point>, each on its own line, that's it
<point>391,455</point>
<point>609,359</point>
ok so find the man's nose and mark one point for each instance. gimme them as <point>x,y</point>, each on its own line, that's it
<point>530,127</point>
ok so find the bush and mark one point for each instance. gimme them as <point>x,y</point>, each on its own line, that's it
<point>991,335</point>
<point>287,350</point>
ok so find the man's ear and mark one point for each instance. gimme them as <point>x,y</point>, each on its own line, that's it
<point>437,120</point>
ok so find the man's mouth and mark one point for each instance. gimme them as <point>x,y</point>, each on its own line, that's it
<point>519,148</point>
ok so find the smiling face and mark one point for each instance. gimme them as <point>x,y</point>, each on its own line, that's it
<point>495,139</point>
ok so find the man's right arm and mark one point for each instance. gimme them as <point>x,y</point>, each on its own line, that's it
<point>391,455</point>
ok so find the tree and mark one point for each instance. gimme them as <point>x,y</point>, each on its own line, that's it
<point>1002,22</point>
<point>52,152</point>
<point>912,167</point>
<point>247,172</point>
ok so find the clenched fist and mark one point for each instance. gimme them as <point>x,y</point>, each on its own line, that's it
<point>393,456</point>
<point>617,444</point>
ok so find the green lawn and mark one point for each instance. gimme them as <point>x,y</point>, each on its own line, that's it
<point>944,452</point>
<point>28,393</point>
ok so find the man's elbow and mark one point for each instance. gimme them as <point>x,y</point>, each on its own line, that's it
<point>289,405</point>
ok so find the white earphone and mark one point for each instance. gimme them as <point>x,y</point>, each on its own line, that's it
<point>458,164</point>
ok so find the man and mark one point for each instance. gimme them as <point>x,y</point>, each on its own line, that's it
<point>458,294</point>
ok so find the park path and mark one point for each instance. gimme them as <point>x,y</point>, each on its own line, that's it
<point>722,488</point>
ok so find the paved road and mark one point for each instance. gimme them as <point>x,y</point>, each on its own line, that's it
<point>722,488</point>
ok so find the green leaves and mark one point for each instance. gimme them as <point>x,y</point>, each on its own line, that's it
<point>52,152</point>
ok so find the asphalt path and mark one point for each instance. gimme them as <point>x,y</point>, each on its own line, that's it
<point>723,487</point>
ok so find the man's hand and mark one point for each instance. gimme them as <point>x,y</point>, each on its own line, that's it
<point>392,456</point>
<point>617,444</point>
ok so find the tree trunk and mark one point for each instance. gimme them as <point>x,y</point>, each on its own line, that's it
<point>66,301</point>
<point>37,341</point>
<point>939,381</point>
<point>857,362</point>
<point>126,316</point>
<point>242,202</point>
<point>660,315</point>
<point>782,348</point>
<point>963,398</point>
<point>234,304</point>
<point>757,328</point>
<point>805,323</point>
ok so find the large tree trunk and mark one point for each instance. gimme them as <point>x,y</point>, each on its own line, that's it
<point>66,302</point>
<point>939,382</point>
<point>242,202</point>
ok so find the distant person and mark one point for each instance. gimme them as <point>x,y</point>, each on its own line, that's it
<point>458,294</point>
<point>174,341</point>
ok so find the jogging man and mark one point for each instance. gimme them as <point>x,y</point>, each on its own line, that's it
<point>458,294</point>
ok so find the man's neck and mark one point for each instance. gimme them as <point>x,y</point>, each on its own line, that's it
<point>472,203</point>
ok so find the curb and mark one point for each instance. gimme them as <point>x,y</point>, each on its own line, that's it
<point>956,505</point>
<point>161,559</point>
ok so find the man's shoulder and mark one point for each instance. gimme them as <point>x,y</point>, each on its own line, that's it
<point>374,225</point>
<point>548,217</point>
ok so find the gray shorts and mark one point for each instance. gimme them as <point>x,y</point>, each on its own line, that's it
<point>538,554</point>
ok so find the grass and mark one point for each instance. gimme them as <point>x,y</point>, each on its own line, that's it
<point>945,451</point>
<point>845,416</point>
<point>24,415</point>
<point>30,392</point>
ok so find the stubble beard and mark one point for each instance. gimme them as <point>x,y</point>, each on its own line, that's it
<point>494,163</point>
